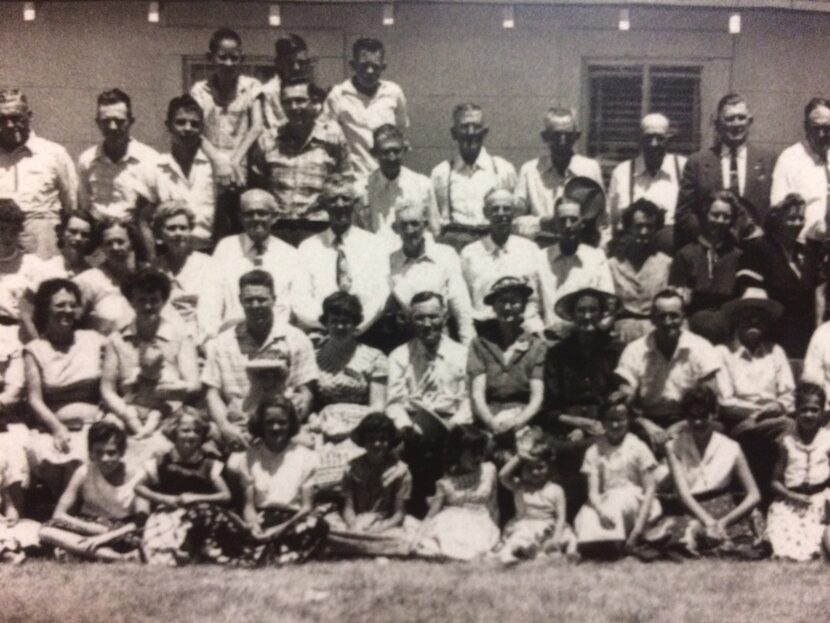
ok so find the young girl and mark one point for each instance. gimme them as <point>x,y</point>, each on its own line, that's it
<point>461,521</point>
<point>185,487</point>
<point>107,524</point>
<point>620,470</point>
<point>796,521</point>
<point>539,524</point>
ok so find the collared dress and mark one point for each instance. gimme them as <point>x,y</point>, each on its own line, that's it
<point>636,290</point>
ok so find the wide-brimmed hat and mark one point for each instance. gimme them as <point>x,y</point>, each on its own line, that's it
<point>375,422</point>
<point>753,298</point>
<point>587,193</point>
<point>564,307</point>
<point>506,284</point>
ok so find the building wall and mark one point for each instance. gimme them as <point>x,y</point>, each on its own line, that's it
<point>441,54</point>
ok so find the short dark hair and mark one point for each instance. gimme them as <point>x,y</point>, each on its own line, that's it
<point>387,130</point>
<point>257,277</point>
<point>777,214</point>
<point>816,102</point>
<point>183,102</point>
<point>367,44</point>
<point>342,304</point>
<point>107,223</point>
<point>727,197</point>
<point>220,35</point>
<point>256,423</point>
<point>146,280</point>
<point>115,96</point>
<point>104,431</point>
<point>423,297</point>
<point>701,396</point>
<point>84,215</point>
<point>464,437</point>
<point>730,99</point>
<point>11,213</point>
<point>43,299</point>
<point>644,206</point>
<point>289,44</point>
<point>805,390</point>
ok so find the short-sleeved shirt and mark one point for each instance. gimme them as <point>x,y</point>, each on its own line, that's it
<point>19,274</point>
<point>277,479</point>
<point>375,490</point>
<point>230,352</point>
<point>756,378</point>
<point>708,273</point>
<point>713,471</point>
<point>659,383</point>
<point>807,463</point>
<point>352,382</point>
<point>72,375</point>
<point>226,123</point>
<point>294,173</point>
<point>40,176</point>
<point>540,184</point>
<point>197,189</point>
<point>112,189</point>
<point>621,465</point>
<point>508,379</point>
<point>359,115</point>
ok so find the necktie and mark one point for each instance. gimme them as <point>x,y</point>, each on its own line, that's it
<point>734,180</point>
<point>259,251</point>
<point>343,274</point>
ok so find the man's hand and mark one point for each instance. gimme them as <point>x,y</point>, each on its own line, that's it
<point>61,439</point>
<point>234,436</point>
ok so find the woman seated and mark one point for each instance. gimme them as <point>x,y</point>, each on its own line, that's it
<point>704,465</point>
<point>150,365</point>
<point>277,475</point>
<point>352,383</point>
<point>78,237</point>
<point>105,308</point>
<point>639,270</point>
<point>704,270</point>
<point>187,493</point>
<point>505,364</point>
<point>98,515</point>
<point>189,271</point>
<point>63,376</point>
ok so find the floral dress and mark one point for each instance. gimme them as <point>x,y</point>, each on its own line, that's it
<point>465,528</point>
<point>794,531</point>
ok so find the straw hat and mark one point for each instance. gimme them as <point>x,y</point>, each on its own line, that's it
<point>564,307</point>
<point>753,298</point>
<point>507,284</point>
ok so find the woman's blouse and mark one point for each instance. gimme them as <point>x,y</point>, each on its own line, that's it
<point>374,490</point>
<point>73,375</point>
<point>351,382</point>
<point>619,466</point>
<point>713,470</point>
<point>100,498</point>
<point>171,474</point>
<point>277,479</point>
<point>508,374</point>
<point>807,463</point>
<point>707,273</point>
<point>106,307</point>
<point>474,490</point>
<point>636,289</point>
<point>189,287</point>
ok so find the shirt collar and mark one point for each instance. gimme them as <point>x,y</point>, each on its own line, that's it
<point>725,152</point>
<point>129,155</point>
<point>329,235</point>
<point>168,161</point>
<point>422,353</point>
<point>666,167</point>
<point>427,256</point>
<point>556,252</point>
<point>763,349</point>
<point>350,89</point>
<point>491,246</point>
<point>483,161</point>
<point>813,155</point>
<point>683,344</point>
<point>248,244</point>
<point>165,331</point>
<point>278,331</point>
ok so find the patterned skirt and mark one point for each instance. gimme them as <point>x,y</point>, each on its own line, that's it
<point>795,532</point>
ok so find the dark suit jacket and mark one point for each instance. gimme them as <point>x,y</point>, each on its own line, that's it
<point>702,176</point>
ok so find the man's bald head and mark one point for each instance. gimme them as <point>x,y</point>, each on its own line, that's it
<point>258,197</point>
<point>655,131</point>
<point>655,123</point>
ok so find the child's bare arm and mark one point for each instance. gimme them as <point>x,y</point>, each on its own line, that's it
<point>222,494</point>
<point>68,500</point>
<point>508,474</point>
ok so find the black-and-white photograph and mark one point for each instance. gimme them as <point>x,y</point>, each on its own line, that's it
<point>414,310</point>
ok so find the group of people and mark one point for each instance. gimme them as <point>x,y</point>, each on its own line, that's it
<point>277,342</point>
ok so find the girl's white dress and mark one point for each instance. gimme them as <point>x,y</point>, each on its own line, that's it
<point>465,527</point>
<point>795,532</point>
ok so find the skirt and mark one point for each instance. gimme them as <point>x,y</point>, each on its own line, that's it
<point>299,542</point>
<point>460,533</point>
<point>795,532</point>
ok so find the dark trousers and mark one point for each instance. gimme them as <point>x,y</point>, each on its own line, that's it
<point>226,220</point>
<point>424,454</point>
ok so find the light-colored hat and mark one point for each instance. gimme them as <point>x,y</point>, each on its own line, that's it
<point>753,298</point>
<point>564,307</point>
<point>506,284</point>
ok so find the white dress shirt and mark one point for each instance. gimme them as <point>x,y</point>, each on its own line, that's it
<point>799,170</point>
<point>661,189</point>
<point>197,189</point>
<point>368,259</point>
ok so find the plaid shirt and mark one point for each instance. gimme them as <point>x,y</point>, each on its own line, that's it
<point>228,354</point>
<point>295,173</point>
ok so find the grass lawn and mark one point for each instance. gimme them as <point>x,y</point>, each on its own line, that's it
<point>367,592</point>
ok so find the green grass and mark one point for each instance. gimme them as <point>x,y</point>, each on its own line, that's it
<point>367,592</point>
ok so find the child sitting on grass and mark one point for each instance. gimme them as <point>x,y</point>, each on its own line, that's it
<point>797,520</point>
<point>186,489</point>
<point>539,525</point>
<point>620,470</point>
<point>106,527</point>
<point>461,521</point>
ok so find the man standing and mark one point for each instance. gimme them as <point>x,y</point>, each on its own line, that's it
<point>293,161</point>
<point>654,174</point>
<point>365,102</point>
<point>502,254</point>
<point>392,184</point>
<point>260,337</point>
<point>461,182</point>
<point>37,174</point>
<point>732,164</point>
<point>803,169</point>
<point>542,180</point>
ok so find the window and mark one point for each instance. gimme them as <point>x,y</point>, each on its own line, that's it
<point>619,96</point>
